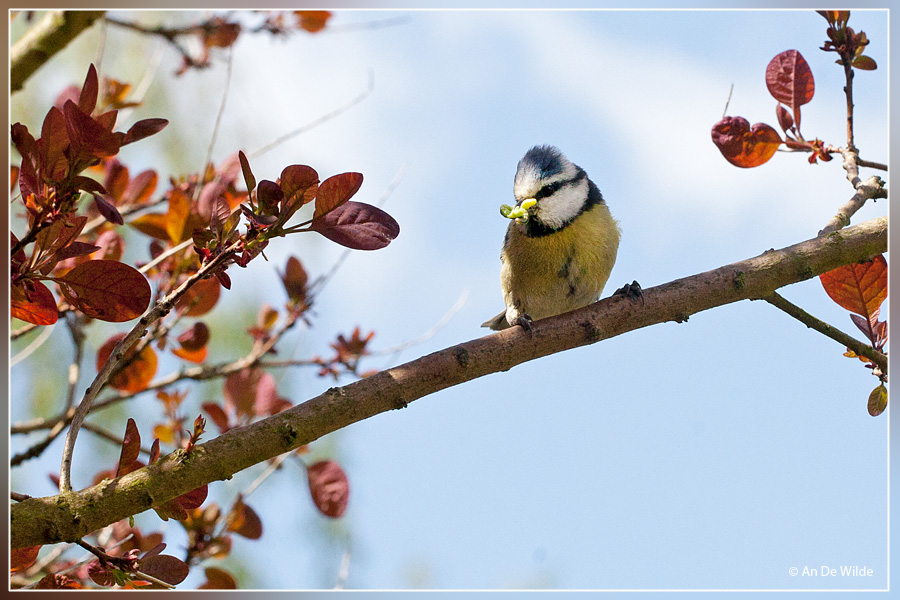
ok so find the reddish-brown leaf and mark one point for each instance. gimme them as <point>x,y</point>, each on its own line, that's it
<point>197,356</point>
<point>357,225</point>
<point>196,337</point>
<point>107,290</point>
<point>53,143</point>
<point>143,128</point>
<point>194,498</point>
<point>131,448</point>
<point>313,21</point>
<point>139,372</point>
<point>87,136</point>
<point>742,145</point>
<point>859,288</point>
<point>152,224</point>
<point>299,184</point>
<point>87,100</point>
<point>200,298</point>
<point>54,581</point>
<point>295,280</point>
<point>165,568</point>
<point>242,388</point>
<point>335,191</point>
<point>790,80</point>
<point>329,487</point>
<point>108,210</point>
<point>35,305</point>
<point>140,188</point>
<point>217,415</point>
<point>217,579</point>
<point>22,558</point>
<point>249,179</point>
<point>269,196</point>
<point>57,235</point>
<point>244,521</point>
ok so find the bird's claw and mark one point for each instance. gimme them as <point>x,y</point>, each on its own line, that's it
<point>632,291</point>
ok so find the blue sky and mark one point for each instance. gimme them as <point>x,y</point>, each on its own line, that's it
<point>713,454</point>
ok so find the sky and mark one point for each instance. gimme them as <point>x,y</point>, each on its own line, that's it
<point>714,454</point>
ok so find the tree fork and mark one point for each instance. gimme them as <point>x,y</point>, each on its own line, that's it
<point>72,515</point>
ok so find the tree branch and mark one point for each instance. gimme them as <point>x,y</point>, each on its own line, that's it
<point>69,516</point>
<point>49,36</point>
<point>829,330</point>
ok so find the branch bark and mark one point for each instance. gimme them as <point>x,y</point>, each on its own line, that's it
<point>71,515</point>
<point>49,36</point>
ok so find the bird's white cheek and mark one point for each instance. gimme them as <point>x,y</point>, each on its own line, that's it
<point>563,205</point>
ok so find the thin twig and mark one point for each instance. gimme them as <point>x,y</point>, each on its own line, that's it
<point>871,188</point>
<point>33,346</point>
<point>316,122</point>
<point>159,310</point>
<point>824,328</point>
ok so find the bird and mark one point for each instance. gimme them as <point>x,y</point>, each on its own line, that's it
<point>560,245</point>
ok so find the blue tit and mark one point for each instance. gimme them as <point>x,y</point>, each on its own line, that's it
<point>561,244</point>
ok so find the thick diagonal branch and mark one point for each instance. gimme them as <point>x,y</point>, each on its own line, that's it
<point>49,36</point>
<point>71,515</point>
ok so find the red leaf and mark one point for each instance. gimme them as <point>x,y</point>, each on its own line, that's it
<point>53,144</point>
<point>785,120</point>
<point>357,225</point>
<point>295,280</point>
<point>329,487</point>
<point>196,337</point>
<point>217,579</point>
<point>194,498</point>
<point>299,184</point>
<point>165,568</point>
<point>742,146</point>
<point>87,100</point>
<point>217,415</point>
<point>87,136</point>
<point>269,196</point>
<point>35,305</point>
<point>859,288</point>
<point>140,370</point>
<point>242,387</point>
<point>244,521</point>
<point>140,188</point>
<point>108,210</point>
<point>56,236</point>
<point>22,558</point>
<point>790,81</point>
<point>313,21</point>
<point>107,290</point>
<point>143,128</point>
<point>249,179</point>
<point>200,298</point>
<point>131,448</point>
<point>335,191</point>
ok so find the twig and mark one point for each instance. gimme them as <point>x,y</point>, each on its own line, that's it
<point>159,310</point>
<point>316,122</point>
<point>33,346</point>
<point>824,328</point>
<point>871,188</point>
<point>215,132</point>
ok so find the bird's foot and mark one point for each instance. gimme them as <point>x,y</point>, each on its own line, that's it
<point>525,322</point>
<point>632,291</point>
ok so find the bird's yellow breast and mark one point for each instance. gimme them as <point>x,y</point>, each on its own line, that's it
<point>555,273</point>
